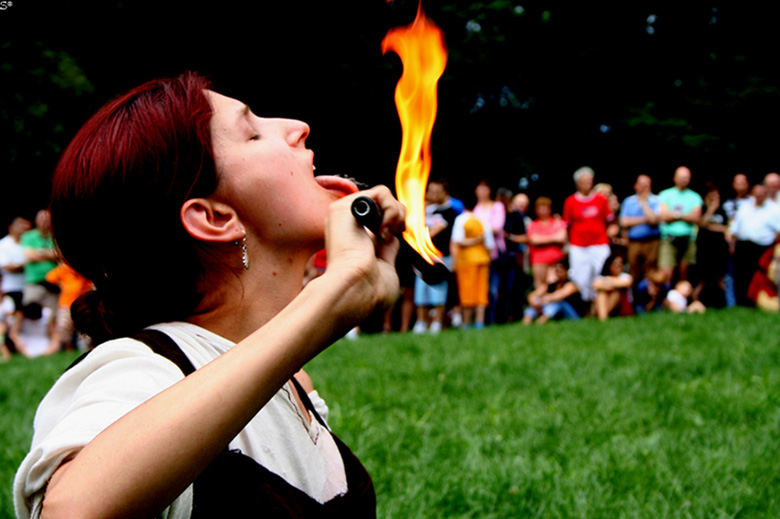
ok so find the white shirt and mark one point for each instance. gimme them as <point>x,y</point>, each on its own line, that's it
<point>35,333</point>
<point>757,224</point>
<point>11,253</point>
<point>123,373</point>
<point>459,231</point>
<point>678,300</point>
<point>7,308</point>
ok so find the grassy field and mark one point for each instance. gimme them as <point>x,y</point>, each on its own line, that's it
<point>658,416</point>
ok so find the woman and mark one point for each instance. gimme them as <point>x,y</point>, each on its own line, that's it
<point>587,214</point>
<point>712,251</point>
<point>557,297</point>
<point>612,289</point>
<point>493,213</point>
<point>546,238</point>
<point>185,208</point>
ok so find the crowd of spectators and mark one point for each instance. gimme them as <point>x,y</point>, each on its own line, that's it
<point>516,259</point>
<point>603,257</point>
<point>37,291</point>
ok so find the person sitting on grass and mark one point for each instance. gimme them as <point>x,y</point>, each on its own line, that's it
<point>612,289</point>
<point>31,335</point>
<point>7,309</point>
<point>677,300</point>
<point>559,297</point>
<point>651,292</point>
<point>763,287</point>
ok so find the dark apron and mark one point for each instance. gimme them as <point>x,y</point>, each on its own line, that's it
<point>235,485</point>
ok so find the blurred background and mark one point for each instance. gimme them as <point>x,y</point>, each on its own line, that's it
<point>533,89</point>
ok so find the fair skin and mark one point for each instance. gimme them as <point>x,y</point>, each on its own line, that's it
<point>435,194</point>
<point>477,313</point>
<point>682,179</point>
<point>539,270</point>
<point>772,183</point>
<point>266,190</point>
<point>740,185</point>
<point>43,224</point>
<point>760,194</point>
<point>520,204</point>
<point>485,200</point>
<point>584,184</point>
<point>540,296</point>
<point>643,189</point>
<point>608,289</point>
<point>711,204</point>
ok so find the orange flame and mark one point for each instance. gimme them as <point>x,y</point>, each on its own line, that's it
<point>424,56</point>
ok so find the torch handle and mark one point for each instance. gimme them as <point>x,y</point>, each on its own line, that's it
<point>368,214</point>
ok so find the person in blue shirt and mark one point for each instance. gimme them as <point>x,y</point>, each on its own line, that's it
<point>639,214</point>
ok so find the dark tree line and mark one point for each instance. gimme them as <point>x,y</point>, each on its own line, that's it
<point>532,90</point>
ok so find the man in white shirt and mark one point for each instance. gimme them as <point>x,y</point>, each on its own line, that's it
<point>12,260</point>
<point>754,228</point>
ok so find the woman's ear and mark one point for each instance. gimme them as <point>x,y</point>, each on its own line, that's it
<point>211,221</point>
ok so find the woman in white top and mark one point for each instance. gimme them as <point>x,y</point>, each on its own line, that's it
<point>184,207</point>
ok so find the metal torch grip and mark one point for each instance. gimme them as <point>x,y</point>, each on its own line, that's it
<point>368,214</point>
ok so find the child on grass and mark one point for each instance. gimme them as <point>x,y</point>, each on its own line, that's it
<point>677,300</point>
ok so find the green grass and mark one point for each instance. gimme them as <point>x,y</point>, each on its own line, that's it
<point>658,416</point>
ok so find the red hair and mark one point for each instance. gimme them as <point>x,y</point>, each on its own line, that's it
<point>116,196</point>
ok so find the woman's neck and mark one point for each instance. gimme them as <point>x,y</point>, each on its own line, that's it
<point>239,304</point>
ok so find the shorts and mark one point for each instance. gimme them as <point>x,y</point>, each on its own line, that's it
<point>40,293</point>
<point>676,249</point>
<point>473,284</point>
<point>429,295</point>
<point>552,310</point>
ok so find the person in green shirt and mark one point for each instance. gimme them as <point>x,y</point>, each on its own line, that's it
<point>680,211</point>
<point>41,257</point>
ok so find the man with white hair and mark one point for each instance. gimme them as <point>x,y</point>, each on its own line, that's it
<point>587,214</point>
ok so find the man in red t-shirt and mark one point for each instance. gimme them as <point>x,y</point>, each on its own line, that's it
<point>587,214</point>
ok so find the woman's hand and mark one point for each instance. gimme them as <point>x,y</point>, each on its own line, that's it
<point>363,265</point>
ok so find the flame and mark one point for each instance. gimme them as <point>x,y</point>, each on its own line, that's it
<point>424,56</point>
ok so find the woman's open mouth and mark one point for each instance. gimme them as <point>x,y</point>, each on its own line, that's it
<point>339,186</point>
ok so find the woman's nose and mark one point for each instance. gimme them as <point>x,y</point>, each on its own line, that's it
<point>297,131</point>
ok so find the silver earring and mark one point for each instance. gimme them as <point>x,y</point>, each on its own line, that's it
<point>244,255</point>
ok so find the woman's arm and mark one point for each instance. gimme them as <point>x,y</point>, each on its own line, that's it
<point>133,462</point>
<point>558,237</point>
<point>562,293</point>
<point>612,282</point>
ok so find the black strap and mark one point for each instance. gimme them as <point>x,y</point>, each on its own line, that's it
<point>160,343</point>
<point>235,485</point>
